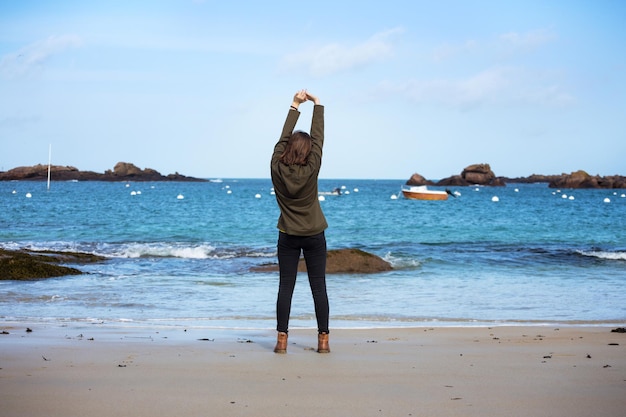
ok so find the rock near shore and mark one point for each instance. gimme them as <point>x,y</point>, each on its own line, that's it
<point>27,265</point>
<point>338,261</point>
<point>123,171</point>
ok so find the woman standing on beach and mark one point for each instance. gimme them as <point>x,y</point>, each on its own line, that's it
<point>295,166</point>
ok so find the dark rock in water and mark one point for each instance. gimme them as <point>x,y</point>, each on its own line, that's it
<point>455,180</point>
<point>532,179</point>
<point>123,171</point>
<point>481,174</point>
<point>355,261</point>
<point>580,179</point>
<point>477,174</point>
<point>417,179</point>
<point>32,265</point>
<point>338,261</point>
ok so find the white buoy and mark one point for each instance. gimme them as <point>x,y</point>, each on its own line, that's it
<point>14,192</point>
<point>321,198</point>
<point>180,196</point>
<point>623,195</point>
<point>571,197</point>
<point>476,189</point>
<point>517,190</point>
<point>607,200</point>
<point>257,196</point>
<point>563,195</point>
<point>133,193</point>
<point>343,187</point>
<point>456,193</point>
<point>356,190</point>
<point>138,192</point>
<point>28,195</point>
<point>394,197</point>
<point>346,192</point>
<point>229,192</point>
<point>495,199</point>
<point>127,185</point>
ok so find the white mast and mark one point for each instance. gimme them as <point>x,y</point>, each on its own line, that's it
<point>49,163</point>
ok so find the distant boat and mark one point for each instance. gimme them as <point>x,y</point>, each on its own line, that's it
<point>421,192</point>
<point>336,191</point>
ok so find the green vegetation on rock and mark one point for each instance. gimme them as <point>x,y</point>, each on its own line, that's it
<point>26,265</point>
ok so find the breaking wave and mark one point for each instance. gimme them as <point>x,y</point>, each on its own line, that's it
<point>613,256</point>
<point>182,250</point>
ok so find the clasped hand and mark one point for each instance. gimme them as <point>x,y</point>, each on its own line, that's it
<point>303,95</point>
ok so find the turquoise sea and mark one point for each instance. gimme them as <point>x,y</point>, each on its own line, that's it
<point>180,254</point>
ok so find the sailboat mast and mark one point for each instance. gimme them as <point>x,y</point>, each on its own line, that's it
<point>49,163</point>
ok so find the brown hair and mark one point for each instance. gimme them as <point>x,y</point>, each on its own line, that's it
<point>297,149</point>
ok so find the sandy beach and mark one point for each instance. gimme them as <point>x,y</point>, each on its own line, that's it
<point>93,370</point>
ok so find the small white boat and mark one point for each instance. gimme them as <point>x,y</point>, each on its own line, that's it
<point>421,192</point>
<point>336,191</point>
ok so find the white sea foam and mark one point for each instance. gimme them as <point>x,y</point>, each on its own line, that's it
<point>165,250</point>
<point>614,256</point>
<point>401,263</point>
<point>133,250</point>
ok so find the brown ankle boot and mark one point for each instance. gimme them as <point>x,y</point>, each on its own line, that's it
<point>281,343</point>
<point>322,343</point>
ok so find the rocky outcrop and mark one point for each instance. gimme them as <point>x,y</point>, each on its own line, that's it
<point>123,171</point>
<point>417,179</point>
<point>532,179</point>
<point>477,174</point>
<point>481,174</point>
<point>338,261</point>
<point>580,179</point>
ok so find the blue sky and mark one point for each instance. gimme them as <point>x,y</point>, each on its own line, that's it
<point>202,87</point>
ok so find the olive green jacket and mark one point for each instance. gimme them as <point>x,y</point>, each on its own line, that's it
<point>295,186</point>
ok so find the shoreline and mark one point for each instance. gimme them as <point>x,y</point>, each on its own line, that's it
<point>176,326</point>
<point>418,371</point>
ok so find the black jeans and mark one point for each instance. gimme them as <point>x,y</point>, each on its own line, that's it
<point>314,250</point>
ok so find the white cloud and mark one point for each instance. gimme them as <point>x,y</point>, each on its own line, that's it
<point>494,86</point>
<point>510,42</point>
<point>448,50</point>
<point>527,41</point>
<point>33,57</point>
<point>332,58</point>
